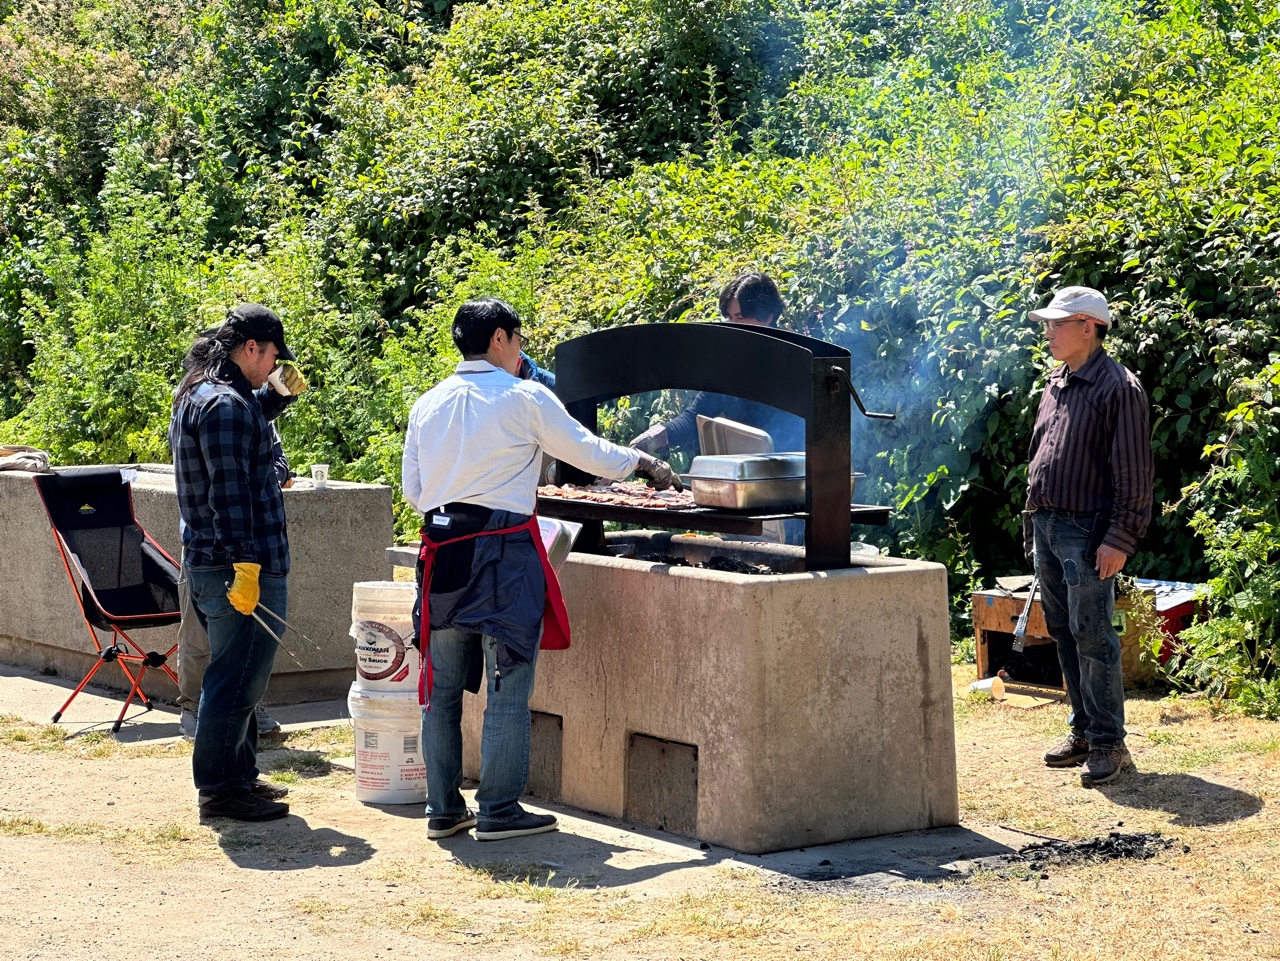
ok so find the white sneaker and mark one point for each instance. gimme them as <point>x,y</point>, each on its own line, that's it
<point>187,724</point>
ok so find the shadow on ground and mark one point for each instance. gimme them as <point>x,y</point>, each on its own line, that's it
<point>1191,800</point>
<point>289,844</point>
<point>563,859</point>
<point>869,865</point>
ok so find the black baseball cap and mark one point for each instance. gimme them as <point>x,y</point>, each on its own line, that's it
<point>260,323</point>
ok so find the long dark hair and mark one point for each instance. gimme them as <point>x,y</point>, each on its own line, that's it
<point>207,358</point>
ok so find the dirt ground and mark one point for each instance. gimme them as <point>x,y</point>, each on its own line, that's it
<point>103,857</point>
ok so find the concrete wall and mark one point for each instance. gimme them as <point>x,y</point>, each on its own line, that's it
<point>819,704</point>
<point>337,536</point>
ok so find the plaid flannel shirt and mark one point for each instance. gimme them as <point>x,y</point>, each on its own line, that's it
<point>228,494</point>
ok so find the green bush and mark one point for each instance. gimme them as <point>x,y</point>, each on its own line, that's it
<point>1235,652</point>
<point>916,175</point>
<point>522,101</point>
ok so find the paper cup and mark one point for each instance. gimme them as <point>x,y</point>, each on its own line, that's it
<point>320,476</point>
<point>276,380</point>
<point>992,687</point>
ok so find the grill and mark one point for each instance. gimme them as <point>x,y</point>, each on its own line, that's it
<point>801,375</point>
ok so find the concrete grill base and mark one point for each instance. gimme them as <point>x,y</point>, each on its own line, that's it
<point>756,712</point>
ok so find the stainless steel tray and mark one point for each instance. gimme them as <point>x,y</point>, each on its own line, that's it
<point>719,435</point>
<point>748,481</point>
<point>777,493</point>
<point>751,481</point>
<point>558,537</point>
<point>743,467</point>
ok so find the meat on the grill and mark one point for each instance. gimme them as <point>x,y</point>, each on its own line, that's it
<point>622,494</point>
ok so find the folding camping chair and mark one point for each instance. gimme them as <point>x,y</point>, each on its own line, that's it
<point>121,577</point>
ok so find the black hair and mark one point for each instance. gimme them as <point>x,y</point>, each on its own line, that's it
<point>207,358</point>
<point>757,296</point>
<point>476,322</point>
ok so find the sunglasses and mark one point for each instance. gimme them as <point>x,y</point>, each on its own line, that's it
<point>1051,325</point>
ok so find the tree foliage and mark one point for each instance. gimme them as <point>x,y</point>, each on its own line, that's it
<point>916,174</point>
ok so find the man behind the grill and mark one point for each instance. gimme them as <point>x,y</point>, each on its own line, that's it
<point>1089,501</point>
<point>472,454</point>
<point>750,298</point>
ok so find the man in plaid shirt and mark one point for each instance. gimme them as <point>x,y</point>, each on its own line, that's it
<point>235,546</point>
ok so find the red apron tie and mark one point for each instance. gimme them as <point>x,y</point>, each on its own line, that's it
<point>555,616</point>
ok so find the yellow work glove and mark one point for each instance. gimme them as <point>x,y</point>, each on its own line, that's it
<point>293,379</point>
<point>244,589</point>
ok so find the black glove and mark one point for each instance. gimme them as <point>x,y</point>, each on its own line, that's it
<point>652,441</point>
<point>1029,540</point>
<point>658,472</point>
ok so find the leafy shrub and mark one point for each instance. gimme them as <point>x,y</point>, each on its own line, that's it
<point>522,101</point>
<point>107,321</point>
<point>1235,653</point>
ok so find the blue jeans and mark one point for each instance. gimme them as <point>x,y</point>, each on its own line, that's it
<point>241,655</point>
<point>1078,605</point>
<point>504,743</point>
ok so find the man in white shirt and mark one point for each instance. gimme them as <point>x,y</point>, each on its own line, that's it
<point>472,454</point>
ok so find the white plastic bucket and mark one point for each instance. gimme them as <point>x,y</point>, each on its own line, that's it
<point>381,625</point>
<point>389,765</point>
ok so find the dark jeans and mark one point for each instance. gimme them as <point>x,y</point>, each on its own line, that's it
<point>504,741</point>
<point>241,655</point>
<point>1078,605</point>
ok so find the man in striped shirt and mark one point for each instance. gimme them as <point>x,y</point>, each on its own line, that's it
<point>1089,499</point>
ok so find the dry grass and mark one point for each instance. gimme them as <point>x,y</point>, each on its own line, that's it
<point>329,742</point>
<point>1209,782</point>
<point>97,745</point>
<point>1206,781</point>
<point>154,844</point>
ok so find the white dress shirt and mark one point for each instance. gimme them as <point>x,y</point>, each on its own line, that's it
<point>478,437</point>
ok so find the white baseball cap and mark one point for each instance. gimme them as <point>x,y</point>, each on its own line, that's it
<point>1070,301</point>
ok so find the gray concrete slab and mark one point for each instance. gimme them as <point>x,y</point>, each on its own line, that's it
<point>337,537</point>
<point>35,697</point>
<point>607,851</point>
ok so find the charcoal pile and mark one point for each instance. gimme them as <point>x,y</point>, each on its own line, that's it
<point>1114,846</point>
<point>672,560</point>
<point>716,562</point>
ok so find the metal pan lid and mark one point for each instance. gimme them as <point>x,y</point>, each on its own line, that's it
<point>746,466</point>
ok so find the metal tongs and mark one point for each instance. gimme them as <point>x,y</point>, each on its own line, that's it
<point>288,627</point>
<point>1020,629</point>
<point>275,636</point>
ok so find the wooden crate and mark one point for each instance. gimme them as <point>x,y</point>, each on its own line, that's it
<point>996,612</point>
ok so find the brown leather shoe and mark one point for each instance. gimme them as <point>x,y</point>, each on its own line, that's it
<point>1072,751</point>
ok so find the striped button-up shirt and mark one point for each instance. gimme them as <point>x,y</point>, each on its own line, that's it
<point>1091,448</point>
<point>224,465</point>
